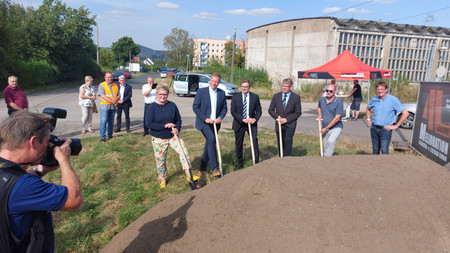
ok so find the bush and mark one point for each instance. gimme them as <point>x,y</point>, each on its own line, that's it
<point>258,77</point>
<point>35,73</point>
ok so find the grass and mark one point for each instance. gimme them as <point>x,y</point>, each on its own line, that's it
<point>119,180</point>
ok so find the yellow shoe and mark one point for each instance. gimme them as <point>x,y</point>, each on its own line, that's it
<point>162,184</point>
<point>195,178</point>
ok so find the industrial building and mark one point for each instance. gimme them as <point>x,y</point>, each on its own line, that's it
<point>413,52</point>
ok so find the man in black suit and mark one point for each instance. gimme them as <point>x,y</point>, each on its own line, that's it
<point>286,108</point>
<point>210,106</point>
<point>124,104</point>
<point>245,108</point>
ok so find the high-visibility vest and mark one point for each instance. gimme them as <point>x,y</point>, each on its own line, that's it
<point>110,94</point>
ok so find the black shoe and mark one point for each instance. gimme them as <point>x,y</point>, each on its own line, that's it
<point>128,131</point>
<point>116,130</point>
<point>144,134</point>
<point>103,140</point>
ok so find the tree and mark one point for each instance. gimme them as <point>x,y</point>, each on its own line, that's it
<point>179,44</point>
<point>123,48</point>
<point>107,59</point>
<point>239,59</point>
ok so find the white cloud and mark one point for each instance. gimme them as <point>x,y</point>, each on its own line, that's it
<point>118,12</point>
<point>167,5</point>
<point>354,10</point>
<point>205,15</point>
<point>331,9</point>
<point>254,12</point>
<point>365,11</point>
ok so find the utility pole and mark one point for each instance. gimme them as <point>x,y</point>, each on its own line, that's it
<point>232,56</point>
<point>98,57</point>
<point>187,63</point>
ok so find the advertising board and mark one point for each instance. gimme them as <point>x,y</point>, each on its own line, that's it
<point>431,135</point>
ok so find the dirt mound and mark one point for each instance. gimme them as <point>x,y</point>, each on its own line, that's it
<point>305,204</point>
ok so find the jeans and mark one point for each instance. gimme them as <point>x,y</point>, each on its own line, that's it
<point>106,117</point>
<point>380,140</point>
<point>329,138</point>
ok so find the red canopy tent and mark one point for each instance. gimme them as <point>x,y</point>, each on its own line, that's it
<point>346,67</point>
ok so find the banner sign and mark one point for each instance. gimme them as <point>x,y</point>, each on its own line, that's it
<point>431,135</point>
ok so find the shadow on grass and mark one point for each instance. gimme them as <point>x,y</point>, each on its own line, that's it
<point>158,232</point>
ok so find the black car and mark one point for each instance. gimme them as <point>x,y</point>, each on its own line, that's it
<point>116,74</point>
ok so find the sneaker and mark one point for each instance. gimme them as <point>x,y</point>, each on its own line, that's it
<point>216,173</point>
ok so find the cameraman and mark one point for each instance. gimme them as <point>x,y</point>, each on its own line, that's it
<point>26,222</point>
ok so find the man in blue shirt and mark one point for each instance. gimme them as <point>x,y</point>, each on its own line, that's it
<point>385,109</point>
<point>330,110</point>
<point>26,222</point>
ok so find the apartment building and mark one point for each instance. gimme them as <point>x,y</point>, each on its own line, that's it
<point>206,49</point>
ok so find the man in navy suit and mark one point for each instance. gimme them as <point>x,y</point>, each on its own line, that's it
<point>245,108</point>
<point>210,106</point>
<point>124,104</point>
<point>286,108</point>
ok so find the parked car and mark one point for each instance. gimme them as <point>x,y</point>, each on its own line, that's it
<point>189,83</point>
<point>409,122</point>
<point>127,74</point>
<point>163,74</point>
<point>116,74</point>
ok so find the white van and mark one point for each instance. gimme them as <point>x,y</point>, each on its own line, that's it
<point>189,83</point>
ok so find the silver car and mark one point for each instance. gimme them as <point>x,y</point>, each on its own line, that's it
<point>409,122</point>
<point>189,83</point>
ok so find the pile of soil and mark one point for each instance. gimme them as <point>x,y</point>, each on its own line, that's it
<point>305,204</point>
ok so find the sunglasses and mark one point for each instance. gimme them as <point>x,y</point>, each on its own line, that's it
<point>329,90</point>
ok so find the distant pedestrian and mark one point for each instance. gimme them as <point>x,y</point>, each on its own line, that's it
<point>15,97</point>
<point>357,98</point>
<point>86,99</point>
<point>286,108</point>
<point>330,110</point>
<point>149,92</point>
<point>124,104</point>
<point>385,109</point>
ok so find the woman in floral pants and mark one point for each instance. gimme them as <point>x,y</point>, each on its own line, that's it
<point>164,121</point>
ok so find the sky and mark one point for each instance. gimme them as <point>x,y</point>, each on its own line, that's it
<point>147,22</point>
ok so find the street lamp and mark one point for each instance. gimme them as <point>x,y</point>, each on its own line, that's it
<point>187,63</point>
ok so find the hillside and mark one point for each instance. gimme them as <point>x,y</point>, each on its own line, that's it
<point>151,53</point>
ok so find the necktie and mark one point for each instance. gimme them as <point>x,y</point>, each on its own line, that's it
<point>284,101</point>
<point>244,113</point>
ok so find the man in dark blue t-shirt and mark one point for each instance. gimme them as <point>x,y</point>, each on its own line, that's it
<point>29,199</point>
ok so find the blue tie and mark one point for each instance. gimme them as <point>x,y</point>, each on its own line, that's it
<point>284,101</point>
<point>244,113</point>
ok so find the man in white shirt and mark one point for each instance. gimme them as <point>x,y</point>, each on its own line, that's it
<point>149,92</point>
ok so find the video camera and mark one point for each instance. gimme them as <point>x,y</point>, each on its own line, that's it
<point>75,146</point>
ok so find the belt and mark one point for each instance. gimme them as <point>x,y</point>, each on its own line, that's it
<point>378,126</point>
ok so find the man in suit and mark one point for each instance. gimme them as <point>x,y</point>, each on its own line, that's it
<point>124,104</point>
<point>286,108</point>
<point>245,108</point>
<point>210,106</point>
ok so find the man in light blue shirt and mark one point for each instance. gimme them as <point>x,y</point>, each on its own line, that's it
<point>385,109</point>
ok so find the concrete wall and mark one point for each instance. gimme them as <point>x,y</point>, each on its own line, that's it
<point>287,47</point>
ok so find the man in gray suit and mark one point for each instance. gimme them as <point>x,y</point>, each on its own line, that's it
<point>286,108</point>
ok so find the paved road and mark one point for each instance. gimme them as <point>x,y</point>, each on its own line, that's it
<point>67,99</point>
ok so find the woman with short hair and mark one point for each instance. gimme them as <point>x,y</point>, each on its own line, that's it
<point>164,121</point>
<point>86,99</point>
